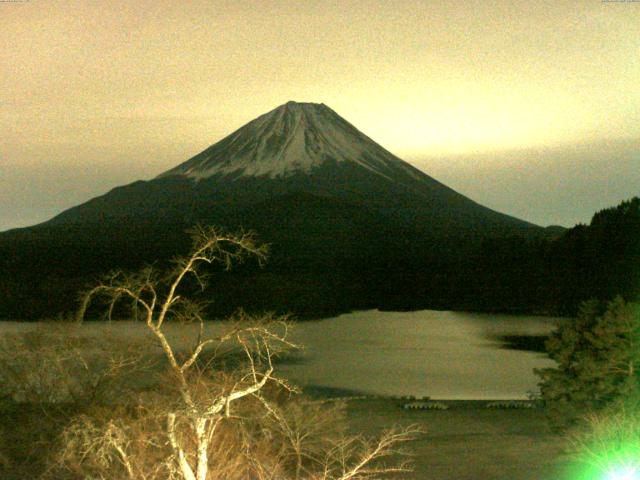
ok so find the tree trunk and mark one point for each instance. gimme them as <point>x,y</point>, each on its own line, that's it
<point>203,445</point>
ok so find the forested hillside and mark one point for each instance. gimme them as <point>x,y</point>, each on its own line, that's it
<point>512,274</point>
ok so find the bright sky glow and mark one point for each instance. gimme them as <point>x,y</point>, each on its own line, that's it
<point>129,89</point>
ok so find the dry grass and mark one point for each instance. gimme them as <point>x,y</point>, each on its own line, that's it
<point>468,441</point>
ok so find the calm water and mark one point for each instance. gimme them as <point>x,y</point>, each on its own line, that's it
<point>446,355</point>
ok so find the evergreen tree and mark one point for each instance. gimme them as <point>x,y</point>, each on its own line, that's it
<point>598,357</point>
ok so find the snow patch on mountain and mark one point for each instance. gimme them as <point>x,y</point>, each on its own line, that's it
<point>293,138</point>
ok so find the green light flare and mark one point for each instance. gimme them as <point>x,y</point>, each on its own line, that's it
<point>613,453</point>
<point>624,473</point>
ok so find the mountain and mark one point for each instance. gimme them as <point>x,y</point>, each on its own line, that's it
<point>293,138</point>
<point>296,149</point>
<point>349,223</point>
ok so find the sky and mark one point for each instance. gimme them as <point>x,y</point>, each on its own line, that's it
<point>530,108</point>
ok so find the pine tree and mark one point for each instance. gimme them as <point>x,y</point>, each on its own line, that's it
<point>598,357</point>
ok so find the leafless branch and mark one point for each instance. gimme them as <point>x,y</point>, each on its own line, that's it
<point>210,406</point>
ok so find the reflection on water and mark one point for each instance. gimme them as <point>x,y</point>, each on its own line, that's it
<point>440,354</point>
<point>446,355</point>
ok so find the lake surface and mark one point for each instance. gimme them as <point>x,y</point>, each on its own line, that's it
<point>444,355</point>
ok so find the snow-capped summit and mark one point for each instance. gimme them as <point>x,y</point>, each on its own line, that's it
<point>292,138</point>
<point>302,158</point>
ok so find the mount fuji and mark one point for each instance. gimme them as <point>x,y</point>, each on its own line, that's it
<point>349,223</point>
<point>294,138</point>
<point>300,150</point>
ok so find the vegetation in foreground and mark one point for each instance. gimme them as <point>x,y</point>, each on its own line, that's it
<point>594,393</point>
<point>131,413</point>
<point>214,411</point>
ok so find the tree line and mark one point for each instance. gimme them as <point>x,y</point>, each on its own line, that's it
<point>600,260</point>
<point>43,271</point>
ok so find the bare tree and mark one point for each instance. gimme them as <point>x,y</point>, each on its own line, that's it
<point>213,403</point>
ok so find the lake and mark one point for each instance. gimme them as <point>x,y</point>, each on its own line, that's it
<point>444,355</point>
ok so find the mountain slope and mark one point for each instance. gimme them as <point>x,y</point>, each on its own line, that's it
<point>294,138</point>
<point>297,147</point>
<point>344,217</point>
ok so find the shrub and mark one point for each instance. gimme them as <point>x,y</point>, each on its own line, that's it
<point>598,354</point>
